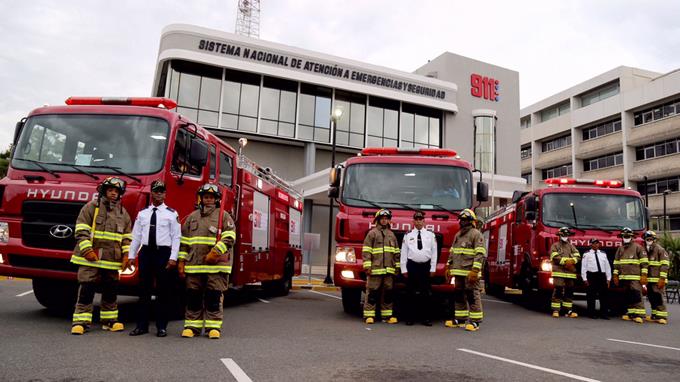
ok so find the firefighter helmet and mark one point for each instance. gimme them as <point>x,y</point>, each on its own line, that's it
<point>384,212</point>
<point>649,235</point>
<point>112,182</point>
<point>626,232</point>
<point>565,231</point>
<point>210,189</point>
<point>467,214</point>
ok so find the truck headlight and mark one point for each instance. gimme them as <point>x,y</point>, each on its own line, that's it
<point>546,266</point>
<point>4,232</point>
<point>345,255</point>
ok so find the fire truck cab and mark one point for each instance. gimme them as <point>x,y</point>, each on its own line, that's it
<point>519,235</point>
<point>61,153</point>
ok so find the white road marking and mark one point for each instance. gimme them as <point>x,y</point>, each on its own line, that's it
<point>262,300</point>
<point>496,301</point>
<point>573,376</point>
<point>325,294</point>
<point>644,344</point>
<point>235,370</point>
<point>25,293</point>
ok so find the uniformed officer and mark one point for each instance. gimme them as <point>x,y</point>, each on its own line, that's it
<point>419,254</point>
<point>103,241</point>
<point>208,235</point>
<point>564,257</point>
<point>157,231</point>
<point>380,254</point>
<point>466,257</point>
<point>656,277</point>
<point>596,273</point>
<point>630,271</point>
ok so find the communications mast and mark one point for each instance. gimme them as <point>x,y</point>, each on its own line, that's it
<point>248,18</point>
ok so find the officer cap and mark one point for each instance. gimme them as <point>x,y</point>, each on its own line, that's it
<point>158,185</point>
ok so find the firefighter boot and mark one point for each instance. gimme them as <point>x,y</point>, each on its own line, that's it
<point>77,329</point>
<point>556,314</point>
<point>472,326</point>
<point>625,317</point>
<point>392,320</point>
<point>187,333</point>
<point>638,320</point>
<point>369,320</point>
<point>113,326</point>
<point>662,321</point>
<point>571,314</point>
<point>649,319</point>
<point>214,334</point>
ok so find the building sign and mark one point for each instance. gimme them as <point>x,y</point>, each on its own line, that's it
<point>484,87</point>
<point>331,70</point>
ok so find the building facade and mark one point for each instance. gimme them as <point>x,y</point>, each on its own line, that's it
<point>623,124</point>
<point>281,99</point>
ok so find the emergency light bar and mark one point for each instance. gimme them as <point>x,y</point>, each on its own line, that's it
<point>592,182</point>
<point>433,152</point>
<point>166,103</point>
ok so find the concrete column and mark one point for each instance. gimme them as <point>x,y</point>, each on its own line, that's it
<point>535,151</point>
<point>310,158</point>
<point>627,123</point>
<point>576,165</point>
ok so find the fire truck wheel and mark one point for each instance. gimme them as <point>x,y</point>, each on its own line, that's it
<point>57,296</point>
<point>282,286</point>
<point>351,301</point>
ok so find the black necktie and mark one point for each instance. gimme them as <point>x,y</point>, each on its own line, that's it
<point>420,241</point>
<point>597,261</point>
<point>152,229</point>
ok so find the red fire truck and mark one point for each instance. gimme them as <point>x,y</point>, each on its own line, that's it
<point>61,153</point>
<point>431,180</point>
<point>519,236</point>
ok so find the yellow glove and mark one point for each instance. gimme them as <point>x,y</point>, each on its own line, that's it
<point>662,283</point>
<point>180,268</point>
<point>615,279</point>
<point>213,257</point>
<point>643,279</point>
<point>473,276</point>
<point>569,265</point>
<point>126,263</point>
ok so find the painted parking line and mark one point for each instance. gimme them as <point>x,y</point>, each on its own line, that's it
<point>263,300</point>
<point>25,293</point>
<point>236,370</point>
<point>324,294</point>
<point>530,366</point>
<point>643,344</point>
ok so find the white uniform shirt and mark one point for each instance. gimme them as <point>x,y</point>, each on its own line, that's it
<point>588,264</point>
<point>168,230</point>
<point>410,251</point>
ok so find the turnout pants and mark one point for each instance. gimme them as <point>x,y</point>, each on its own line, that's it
<point>418,291</point>
<point>89,278</point>
<point>563,294</point>
<point>154,276</point>
<point>597,289</point>
<point>633,293</point>
<point>205,294</point>
<point>379,291</point>
<point>655,296</point>
<point>467,300</point>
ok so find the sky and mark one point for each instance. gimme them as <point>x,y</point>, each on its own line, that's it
<point>50,50</point>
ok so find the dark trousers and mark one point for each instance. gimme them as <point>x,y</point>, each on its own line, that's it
<point>597,289</point>
<point>152,272</point>
<point>418,291</point>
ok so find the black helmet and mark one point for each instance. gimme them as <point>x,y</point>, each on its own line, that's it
<point>211,189</point>
<point>649,234</point>
<point>112,182</point>
<point>565,231</point>
<point>626,232</point>
<point>382,212</point>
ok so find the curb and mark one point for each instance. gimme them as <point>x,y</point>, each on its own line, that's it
<point>317,288</point>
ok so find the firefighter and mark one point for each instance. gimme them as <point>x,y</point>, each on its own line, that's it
<point>464,266</point>
<point>205,261</point>
<point>381,255</point>
<point>630,271</point>
<point>103,235</point>
<point>564,257</point>
<point>656,277</point>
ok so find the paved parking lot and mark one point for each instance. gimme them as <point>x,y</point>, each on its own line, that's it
<point>305,336</point>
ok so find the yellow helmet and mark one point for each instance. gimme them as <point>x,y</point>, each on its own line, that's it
<point>467,214</point>
<point>382,212</point>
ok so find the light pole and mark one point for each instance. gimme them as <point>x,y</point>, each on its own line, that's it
<point>665,225</point>
<point>337,113</point>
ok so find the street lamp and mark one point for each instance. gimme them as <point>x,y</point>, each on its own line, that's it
<point>335,116</point>
<point>665,221</point>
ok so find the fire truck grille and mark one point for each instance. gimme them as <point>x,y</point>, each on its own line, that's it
<point>42,263</point>
<point>42,216</point>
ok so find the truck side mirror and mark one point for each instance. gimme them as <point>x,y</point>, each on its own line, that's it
<point>482,192</point>
<point>530,215</point>
<point>17,130</point>
<point>530,205</point>
<point>334,177</point>
<point>333,192</point>
<point>198,153</point>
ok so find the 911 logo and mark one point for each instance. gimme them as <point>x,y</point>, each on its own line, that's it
<point>485,87</point>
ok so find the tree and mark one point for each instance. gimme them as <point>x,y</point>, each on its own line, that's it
<point>672,246</point>
<point>4,161</point>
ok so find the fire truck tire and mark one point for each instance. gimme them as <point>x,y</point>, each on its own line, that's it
<point>57,296</point>
<point>282,286</point>
<point>351,301</point>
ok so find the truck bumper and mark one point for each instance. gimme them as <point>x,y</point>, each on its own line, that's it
<point>352,276</point>
<point>545,280</point>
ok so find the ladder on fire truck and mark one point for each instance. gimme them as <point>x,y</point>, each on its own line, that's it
<point>267,174</point>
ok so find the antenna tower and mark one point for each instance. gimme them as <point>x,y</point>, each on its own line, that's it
<point>248,18</point>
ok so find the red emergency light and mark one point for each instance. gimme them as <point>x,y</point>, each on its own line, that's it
<point>592,182</point>
<point>433,152</point>
<point>128,101</point>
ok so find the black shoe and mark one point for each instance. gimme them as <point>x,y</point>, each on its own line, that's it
<point>409,323</point>
<point>138,332</point>
<point>161,333</point>
<point>594,317</point>
<point>427,323</point>
<point>604,317</point>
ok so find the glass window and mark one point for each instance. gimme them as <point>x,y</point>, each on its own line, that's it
<point>421,129</point>
<point>391,123</point>
<point>407,127</point>
<point>231,96</point>
<point>226,169</point>
<point>599,210</point>
<point>307,109</point>
<point>250,95</point>
<point>434,132</point>
<point>207,118</point>
<point>210,94</point>
<point>268,127</point>
<point>287,106</point>
<point>484,144</point>
<point>357,118</point>
<point>322,114</point>
<point>189,87</point>
<point>270,104</point>
<point>375,122</point>
<point>286,129</point>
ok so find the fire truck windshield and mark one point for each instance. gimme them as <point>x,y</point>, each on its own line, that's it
<point>122,144</point>
<point>404,185</point>
<point>593,211</point>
